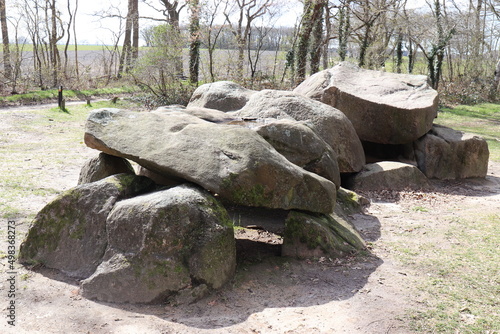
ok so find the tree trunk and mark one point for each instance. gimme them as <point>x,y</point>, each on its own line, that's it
<point>497,75</point>
<point>68,30</point>
<point>5,40</point>
<point>124,64</point>
<point>399,52</point>
<point>194,48</point>
<point>135,32</point>
<point>312,9</point>
<point>317,38</point>
<point>328,33</point>
<point>76,43</point>
<point>365,43</point>
<point>54,51</point>
<point>344,27</point>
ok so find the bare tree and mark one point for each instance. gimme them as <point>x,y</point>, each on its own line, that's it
<point>313,10</point>
<point>131,40</point>
<point>5,40</point>
<point>171,11</point>
<point>212,32</point>
<point>344,30</point>
<point>194,47</point>
<point>245,13</point>
<point>435,55</point>
<point>56,34</point>
<point>317,37</point>
<point>497,75</point>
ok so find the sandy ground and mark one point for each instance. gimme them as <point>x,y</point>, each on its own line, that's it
<point>269,294</point>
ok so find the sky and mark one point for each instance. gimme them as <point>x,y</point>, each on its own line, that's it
<point>92,30</point>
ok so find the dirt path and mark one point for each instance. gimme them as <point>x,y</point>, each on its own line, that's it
<point>367,294</point>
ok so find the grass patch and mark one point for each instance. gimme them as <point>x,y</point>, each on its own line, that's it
<point>41,96</point>
<point>35,147</point>
<point>460,281</point>
<point>482,119</point>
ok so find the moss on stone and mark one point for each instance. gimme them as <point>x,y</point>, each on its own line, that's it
<point>47,227</point>
<point>327,233</point>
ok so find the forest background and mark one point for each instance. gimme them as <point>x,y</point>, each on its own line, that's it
<point>164,49</point>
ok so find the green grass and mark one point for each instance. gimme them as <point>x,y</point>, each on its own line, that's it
<point>40,139</point>
<point>481,119</point>
<point>461,286</point>
<point>40,96</point>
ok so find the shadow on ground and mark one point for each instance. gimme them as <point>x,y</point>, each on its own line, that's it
<point>263,280</point>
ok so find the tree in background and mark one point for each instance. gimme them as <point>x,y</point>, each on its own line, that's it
<point>344,27</point>
<point>317,37</point>
<point>211,32</point>
<point>313,10</point>
<point>240,16</point>
<point>194,46</point>
<point>5,41</point>
<point>435,53</point>
<point>171,11</point>
<point>130,51</point>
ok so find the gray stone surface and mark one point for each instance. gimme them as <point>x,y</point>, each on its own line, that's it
<point>69,233</point>
<point>234,162</point>
<point>388,175</point>
<point>302,146</point>
<point>447,154</point>
<point>102,166</point>
<point>329,123</point>
<point>210,115</point>
<point>220,95</point>
<point>159,244</point>
<point>310,235</point>
<point>385,108</point>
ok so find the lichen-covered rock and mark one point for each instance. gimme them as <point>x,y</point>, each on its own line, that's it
<point>329,123</point>
<point>310,235</point>
<point>69,233</point>
<point>447,154</point>
<point>302,146</point>
<point>102,166</point>
<point>388,175</point>
<point>232,161</point>
<point>349,202</point>
<point>385,108</point>
<point>179,239</point>
<point>220,95</point>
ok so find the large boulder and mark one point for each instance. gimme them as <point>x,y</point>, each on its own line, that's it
<point>446,154</point>
<point>162,243</point>
<point>388,175</point>
<point>220,95</point>
<point>232,161</point>
<point>302,146</point>
<point>69,233</point>
<point>385,108</point>
<point>329,123</point>
<point>102,166</point>
<point>209,115</point>
<point>310,235</point>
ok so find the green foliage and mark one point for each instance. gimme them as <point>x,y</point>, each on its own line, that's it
<point>160,69</point>
<point>44,96</point>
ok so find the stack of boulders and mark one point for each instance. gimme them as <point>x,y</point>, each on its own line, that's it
<point>393,116</point>
<point>164,231</point>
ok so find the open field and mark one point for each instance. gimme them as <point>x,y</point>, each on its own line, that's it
<point>432,265</point>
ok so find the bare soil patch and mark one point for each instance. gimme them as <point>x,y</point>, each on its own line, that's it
<point>367,293</point>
